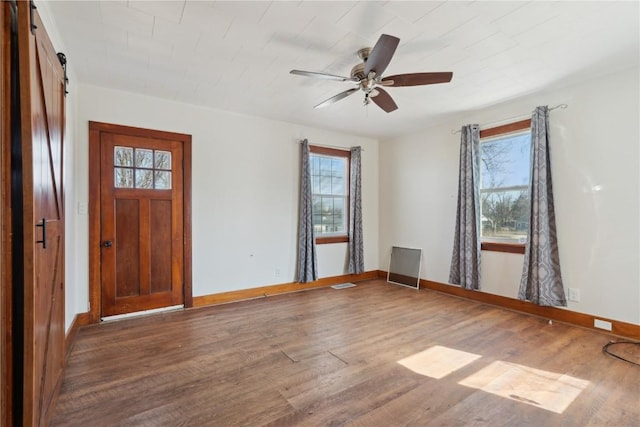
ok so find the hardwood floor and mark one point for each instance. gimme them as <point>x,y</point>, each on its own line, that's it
<point>372,355</point>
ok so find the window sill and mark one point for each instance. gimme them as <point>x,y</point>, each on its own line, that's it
<point>331,239</point>
<point>511,248</point>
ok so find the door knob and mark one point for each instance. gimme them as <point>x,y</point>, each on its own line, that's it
<point>107,244</point>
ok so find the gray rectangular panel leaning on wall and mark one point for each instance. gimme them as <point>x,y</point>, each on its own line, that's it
<point>404,266</point>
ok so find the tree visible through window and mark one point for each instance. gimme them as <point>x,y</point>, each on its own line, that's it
<point>330,193</point>
<point>504,184</point>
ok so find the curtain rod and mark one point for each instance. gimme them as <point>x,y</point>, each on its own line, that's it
<point>521,116</point>
<point>337,147</point>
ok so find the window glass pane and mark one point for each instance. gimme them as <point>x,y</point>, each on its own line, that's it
<point>315,184</point>
<point>505,161</point>
<point>337,166</point>
<point>162,160</point>
<point>339,214</point>
<point>123,156</point>
<point>316,202</point>
<point>505,216</point>
<point>325,166</point>
<point>162,180</point>
<point>325,185</point>
<point>315,165</point>
<point>332,215</point>
<point>144,178</point>
<point>337,186</point>
<point>327,215</point>
<point>123,178</point>
<point>143,158</point>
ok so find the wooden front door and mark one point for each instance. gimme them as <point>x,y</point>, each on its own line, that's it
<point>42,114</point>
<point>142,219</point>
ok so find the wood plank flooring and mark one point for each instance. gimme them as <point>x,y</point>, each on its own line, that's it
<point>372,355</point>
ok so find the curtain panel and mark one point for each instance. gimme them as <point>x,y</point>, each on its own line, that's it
<point>465,260</point>
<point>541,282</point>
<point>356,245</point>
<point>307,256</point>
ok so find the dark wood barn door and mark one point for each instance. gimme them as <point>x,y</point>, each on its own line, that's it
<point>142,222</point>
<point>42,92</point>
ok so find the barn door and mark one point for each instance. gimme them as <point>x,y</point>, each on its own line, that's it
<point>42,91</point>
<point>142,219</point>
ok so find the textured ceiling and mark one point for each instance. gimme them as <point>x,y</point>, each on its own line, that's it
<point>236,55</point>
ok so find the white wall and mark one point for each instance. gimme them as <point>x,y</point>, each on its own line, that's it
<point>245,189</point>
<point>595,167</point>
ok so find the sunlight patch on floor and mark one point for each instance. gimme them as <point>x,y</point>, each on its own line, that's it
<point>437,361</point>
<point>547,390</point>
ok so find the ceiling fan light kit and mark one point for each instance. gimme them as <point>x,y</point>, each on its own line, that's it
<point>368,76</point>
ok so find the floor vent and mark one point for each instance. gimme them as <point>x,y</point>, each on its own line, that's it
<point>343,286</point>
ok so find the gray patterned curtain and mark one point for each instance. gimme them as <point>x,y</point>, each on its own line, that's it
<point>356,248</point>
<point>307,257</point>
<point>465,261</point>
<point>541,282</point>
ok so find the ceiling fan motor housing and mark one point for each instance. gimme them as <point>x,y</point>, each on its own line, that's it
<point>357,71</point>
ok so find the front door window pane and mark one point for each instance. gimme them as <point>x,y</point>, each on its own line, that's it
<point>144,158</point>
<point>123,156</point>
<point>162,180</point>
<point>162,160</point>
<point>144,178</point>
<point>123,178</point>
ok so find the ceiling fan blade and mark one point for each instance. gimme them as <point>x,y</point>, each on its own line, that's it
<point>324,76</point>
<point>381,54</point>
<point>337,98</point>
<point>384,100</point>
<point>417,79</point>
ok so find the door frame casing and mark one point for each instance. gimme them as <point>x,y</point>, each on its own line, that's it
<point>95,209</point>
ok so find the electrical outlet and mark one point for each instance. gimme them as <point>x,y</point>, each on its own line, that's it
<point>277,272</point>
<point>602,324</point>
<point>574,294</point>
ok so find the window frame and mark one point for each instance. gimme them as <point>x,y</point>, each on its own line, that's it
<point>336,152</point>
<point>513,248</point>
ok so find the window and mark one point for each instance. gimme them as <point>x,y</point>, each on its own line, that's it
<point>330,193</point>
<point>142,168</point>
<point>505,153</point>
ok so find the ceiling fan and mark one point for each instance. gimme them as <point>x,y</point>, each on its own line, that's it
<point>368,76</point>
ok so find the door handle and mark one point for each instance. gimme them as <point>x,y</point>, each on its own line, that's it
<point>43,224</point>
<point>107,244</point>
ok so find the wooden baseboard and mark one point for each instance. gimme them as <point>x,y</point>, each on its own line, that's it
<point>265,291</point>
<point>81,319</point>
<point>623,329</point>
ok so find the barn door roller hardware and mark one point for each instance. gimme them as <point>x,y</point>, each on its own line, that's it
<point>63,61</point>
<point>32,7</point>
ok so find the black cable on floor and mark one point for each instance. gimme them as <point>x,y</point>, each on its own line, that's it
<point>606,351</point>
